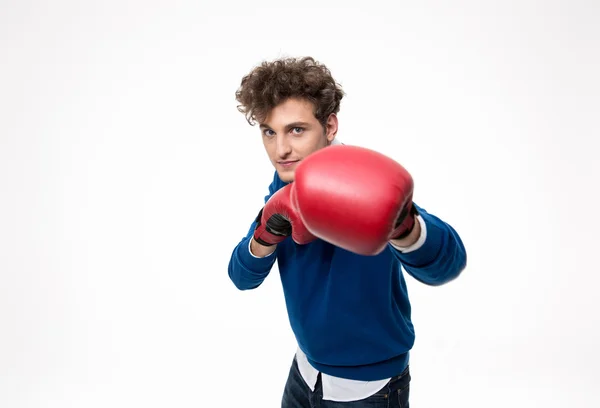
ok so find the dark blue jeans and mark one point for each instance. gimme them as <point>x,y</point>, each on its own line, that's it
<point>297,394</point>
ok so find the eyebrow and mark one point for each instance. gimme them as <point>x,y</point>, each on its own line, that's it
<point>288,126</point>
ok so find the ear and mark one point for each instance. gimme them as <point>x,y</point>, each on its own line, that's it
<point>331,127</point>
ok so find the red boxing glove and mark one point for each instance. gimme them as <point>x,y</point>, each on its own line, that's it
<point>354,198</point>
<point>277,220</point>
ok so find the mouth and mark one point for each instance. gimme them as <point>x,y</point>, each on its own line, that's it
<point>287,163</point>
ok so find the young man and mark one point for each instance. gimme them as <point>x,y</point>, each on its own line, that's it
<point>348,306</point>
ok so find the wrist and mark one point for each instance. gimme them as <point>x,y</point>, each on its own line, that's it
<point>261,251</point>
<point>412,237</point>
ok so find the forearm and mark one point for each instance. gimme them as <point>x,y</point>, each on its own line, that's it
<point>248,270</point>
<point>251,262</point>
<point>439,256</point>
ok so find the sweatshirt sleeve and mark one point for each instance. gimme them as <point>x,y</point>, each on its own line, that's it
<point>246,270</point>
<point>440,256</point>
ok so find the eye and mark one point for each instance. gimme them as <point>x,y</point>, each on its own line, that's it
<point>298,130</point>
<point>268,132</point>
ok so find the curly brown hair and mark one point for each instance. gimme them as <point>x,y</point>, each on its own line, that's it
<point>271,83</point>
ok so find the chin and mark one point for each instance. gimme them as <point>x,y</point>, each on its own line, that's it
<point>286,176</point>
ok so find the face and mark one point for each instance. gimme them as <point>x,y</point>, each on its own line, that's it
<point>291,132</point>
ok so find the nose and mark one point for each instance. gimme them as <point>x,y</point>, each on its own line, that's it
<point>284,148</point>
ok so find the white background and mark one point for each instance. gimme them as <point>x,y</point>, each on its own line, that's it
<point>127,176</point>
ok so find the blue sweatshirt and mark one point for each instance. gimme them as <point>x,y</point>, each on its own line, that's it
<point>351,314</point>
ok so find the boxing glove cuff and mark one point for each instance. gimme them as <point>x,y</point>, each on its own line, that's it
<point>276,229</point>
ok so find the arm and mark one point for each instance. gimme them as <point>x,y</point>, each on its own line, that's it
<point>376,211</point>
<point>251,262</point>
<point>254,256</point>
<point>437,256</point>
<point>246,270</point>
